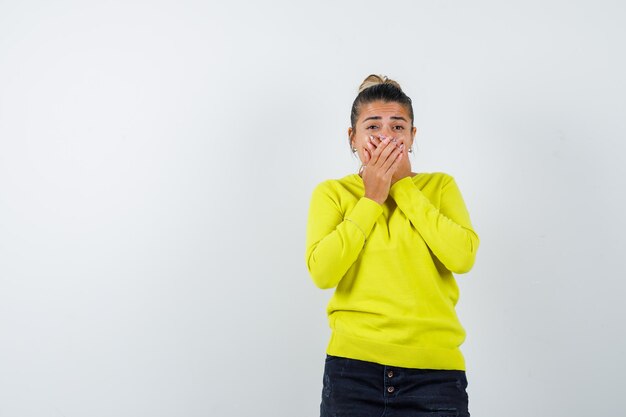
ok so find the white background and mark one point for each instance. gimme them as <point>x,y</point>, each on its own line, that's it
<point>156,164</point>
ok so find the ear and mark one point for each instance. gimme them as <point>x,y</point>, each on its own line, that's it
<point>413,133</point>
<point>350,136</point>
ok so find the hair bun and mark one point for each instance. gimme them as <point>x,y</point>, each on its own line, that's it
<point>373,79</point>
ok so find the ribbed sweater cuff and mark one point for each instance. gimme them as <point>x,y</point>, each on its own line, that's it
<point>364,215</point>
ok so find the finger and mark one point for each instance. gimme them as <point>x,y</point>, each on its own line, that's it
<point>378,151</point>
<point>366,156</point>
<point>386,152</point>
<point>391,159</point>
<point>370,141</point>
<point>395,165</point>
<point>402,148</point>
<point>370,150</point>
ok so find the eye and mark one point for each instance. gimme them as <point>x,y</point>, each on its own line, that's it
<point>372,127</point>
<point>398,127</point>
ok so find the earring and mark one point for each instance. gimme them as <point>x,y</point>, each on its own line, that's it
<point>353,149</point>
<point>411,149</point>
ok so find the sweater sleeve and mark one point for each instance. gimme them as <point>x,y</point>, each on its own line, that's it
<point>335,239</point>
<point>446,230</point>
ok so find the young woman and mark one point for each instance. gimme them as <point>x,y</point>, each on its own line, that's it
<point>389,240</point>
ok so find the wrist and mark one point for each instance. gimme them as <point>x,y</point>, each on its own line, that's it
<point>378,199</point>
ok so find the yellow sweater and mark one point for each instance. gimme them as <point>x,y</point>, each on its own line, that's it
<point>392,268</point>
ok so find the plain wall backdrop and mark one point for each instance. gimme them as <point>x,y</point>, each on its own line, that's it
<point>157,160</point>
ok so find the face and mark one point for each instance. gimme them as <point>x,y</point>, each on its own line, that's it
<point>379,118</point>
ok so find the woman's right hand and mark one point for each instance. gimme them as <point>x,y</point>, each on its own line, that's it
<point>378,168</point>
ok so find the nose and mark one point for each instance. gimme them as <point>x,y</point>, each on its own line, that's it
<point>388,131</point>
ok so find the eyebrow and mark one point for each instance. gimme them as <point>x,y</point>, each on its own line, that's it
<point>379,118</point>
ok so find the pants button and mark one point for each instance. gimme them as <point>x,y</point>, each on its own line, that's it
<point>390,389</point>
<point>390,374</point>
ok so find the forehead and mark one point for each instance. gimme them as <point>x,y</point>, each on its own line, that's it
<point>383,109</point>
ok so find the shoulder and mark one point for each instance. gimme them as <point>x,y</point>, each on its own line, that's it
<point>441,178</point>
<point>338,185</point>
<point>437,174</point>
<point>334,194</point>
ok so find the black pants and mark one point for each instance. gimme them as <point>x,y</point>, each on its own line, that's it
<point>354,388</point>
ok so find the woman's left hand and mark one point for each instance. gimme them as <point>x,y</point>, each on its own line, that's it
<point>404,169</point>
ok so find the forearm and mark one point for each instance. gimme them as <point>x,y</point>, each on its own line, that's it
<point>335,242</point>
<point>449,234</point>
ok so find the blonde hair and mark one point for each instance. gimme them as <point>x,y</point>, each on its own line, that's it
<point>373,79</point>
